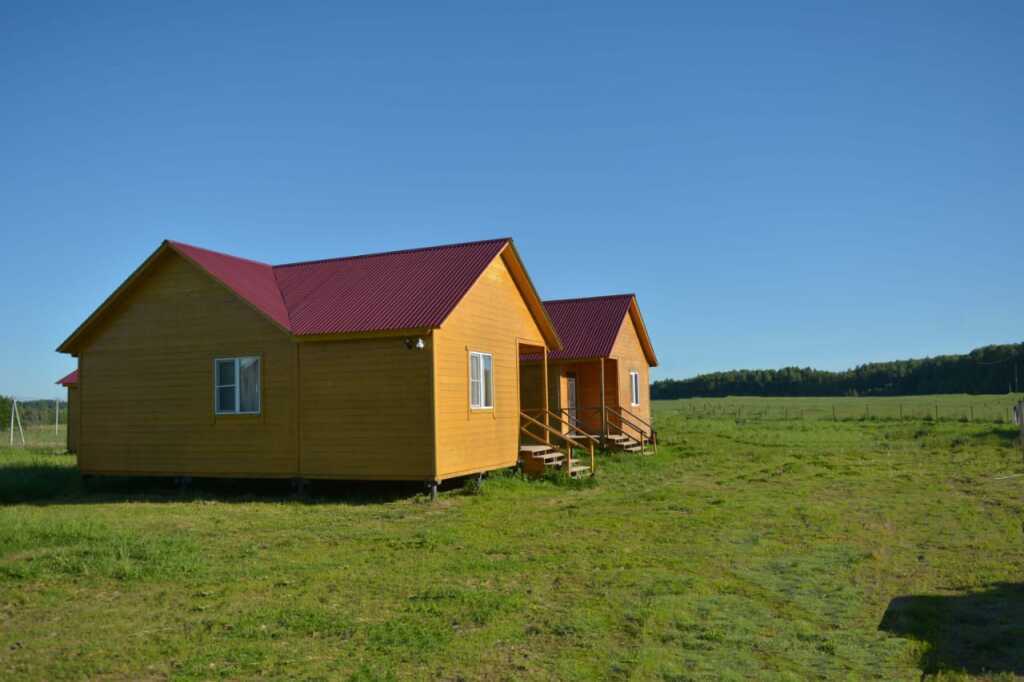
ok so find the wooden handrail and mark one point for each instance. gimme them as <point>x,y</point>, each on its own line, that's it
<point>645,435</point>
<point>649,427</point>
<point>563,422</point>
<point>537,422</point>
<point>570,441</point>
<point>623,420</point>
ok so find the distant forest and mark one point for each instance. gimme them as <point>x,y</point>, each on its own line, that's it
<point>991,369</point>
<point>32,412</point>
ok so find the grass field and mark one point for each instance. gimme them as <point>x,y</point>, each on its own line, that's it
<point>746,549</point>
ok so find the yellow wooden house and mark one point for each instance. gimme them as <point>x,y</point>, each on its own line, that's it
<point>403,365</point>
<point>598,386</point>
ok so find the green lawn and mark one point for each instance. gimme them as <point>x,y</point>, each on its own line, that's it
<point>745,549</point>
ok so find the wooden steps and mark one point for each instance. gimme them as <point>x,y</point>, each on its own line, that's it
<point>625,443</point>
<point>535,459</point>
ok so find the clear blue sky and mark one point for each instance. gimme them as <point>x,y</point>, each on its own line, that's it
<point>780,183</point>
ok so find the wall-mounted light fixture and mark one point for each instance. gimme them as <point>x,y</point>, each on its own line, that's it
<point>418,344</point>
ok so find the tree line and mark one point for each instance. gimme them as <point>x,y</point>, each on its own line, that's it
<point>32,412</point>
<point>990,369</point>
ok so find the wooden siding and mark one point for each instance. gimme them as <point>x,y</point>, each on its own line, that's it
<point>629,356</point>
<point>366,410</point>
<point>148,408</point>
<point>588,389</point>
<point>491,318</point>
<point>73,419</point>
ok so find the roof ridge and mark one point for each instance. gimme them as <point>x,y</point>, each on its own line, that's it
<point>218,253</point>
<point>588,298</point>
<point>392,253</point>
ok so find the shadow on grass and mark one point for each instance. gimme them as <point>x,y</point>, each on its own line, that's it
<point>1001,435</point>
<point>981,633</point>
<point>43,484</point>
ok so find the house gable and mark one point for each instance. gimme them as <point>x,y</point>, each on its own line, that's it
<point>146,381</point>
<point>115,301</point>
<point>589,327</point>
<point>493,317</point>
<point>629,356</point>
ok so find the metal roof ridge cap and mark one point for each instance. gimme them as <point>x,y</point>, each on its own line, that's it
<point>396,252</point>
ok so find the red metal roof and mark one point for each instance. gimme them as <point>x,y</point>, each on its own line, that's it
<point>409,289</point>
<point>69,380</point>
<point>386,291</point>
<point>587,326</point>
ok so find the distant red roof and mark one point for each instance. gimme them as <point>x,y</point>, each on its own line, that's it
<point>411,289</point>
<point>588,327</point>
<point>69,380</point>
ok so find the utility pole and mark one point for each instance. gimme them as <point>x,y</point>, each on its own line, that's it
<point>15,415</point>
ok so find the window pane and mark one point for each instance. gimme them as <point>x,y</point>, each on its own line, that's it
<point>249,386</point>
<point>474,366</point>
<point>225,372</point>
<point>474,393</point>
<point>226,399</point>
<point>488,382</point>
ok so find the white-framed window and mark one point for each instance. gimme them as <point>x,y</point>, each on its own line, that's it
<point>236,385</point>
<point>481,381</point>
<point>634,388</point>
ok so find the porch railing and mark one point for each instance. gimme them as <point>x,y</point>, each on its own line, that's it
<point>569,441</point>
<point>615,420</point>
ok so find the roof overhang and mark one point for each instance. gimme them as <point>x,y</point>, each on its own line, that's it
<point>641,332</point>
<point>70,380</point>
<point>70,344</point>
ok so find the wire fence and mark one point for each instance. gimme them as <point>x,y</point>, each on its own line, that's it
<point>996,411</point>
<point>36,437</point>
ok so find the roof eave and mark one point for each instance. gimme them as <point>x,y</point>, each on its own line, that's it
<point>641,330</point>
<point>533,299</point>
